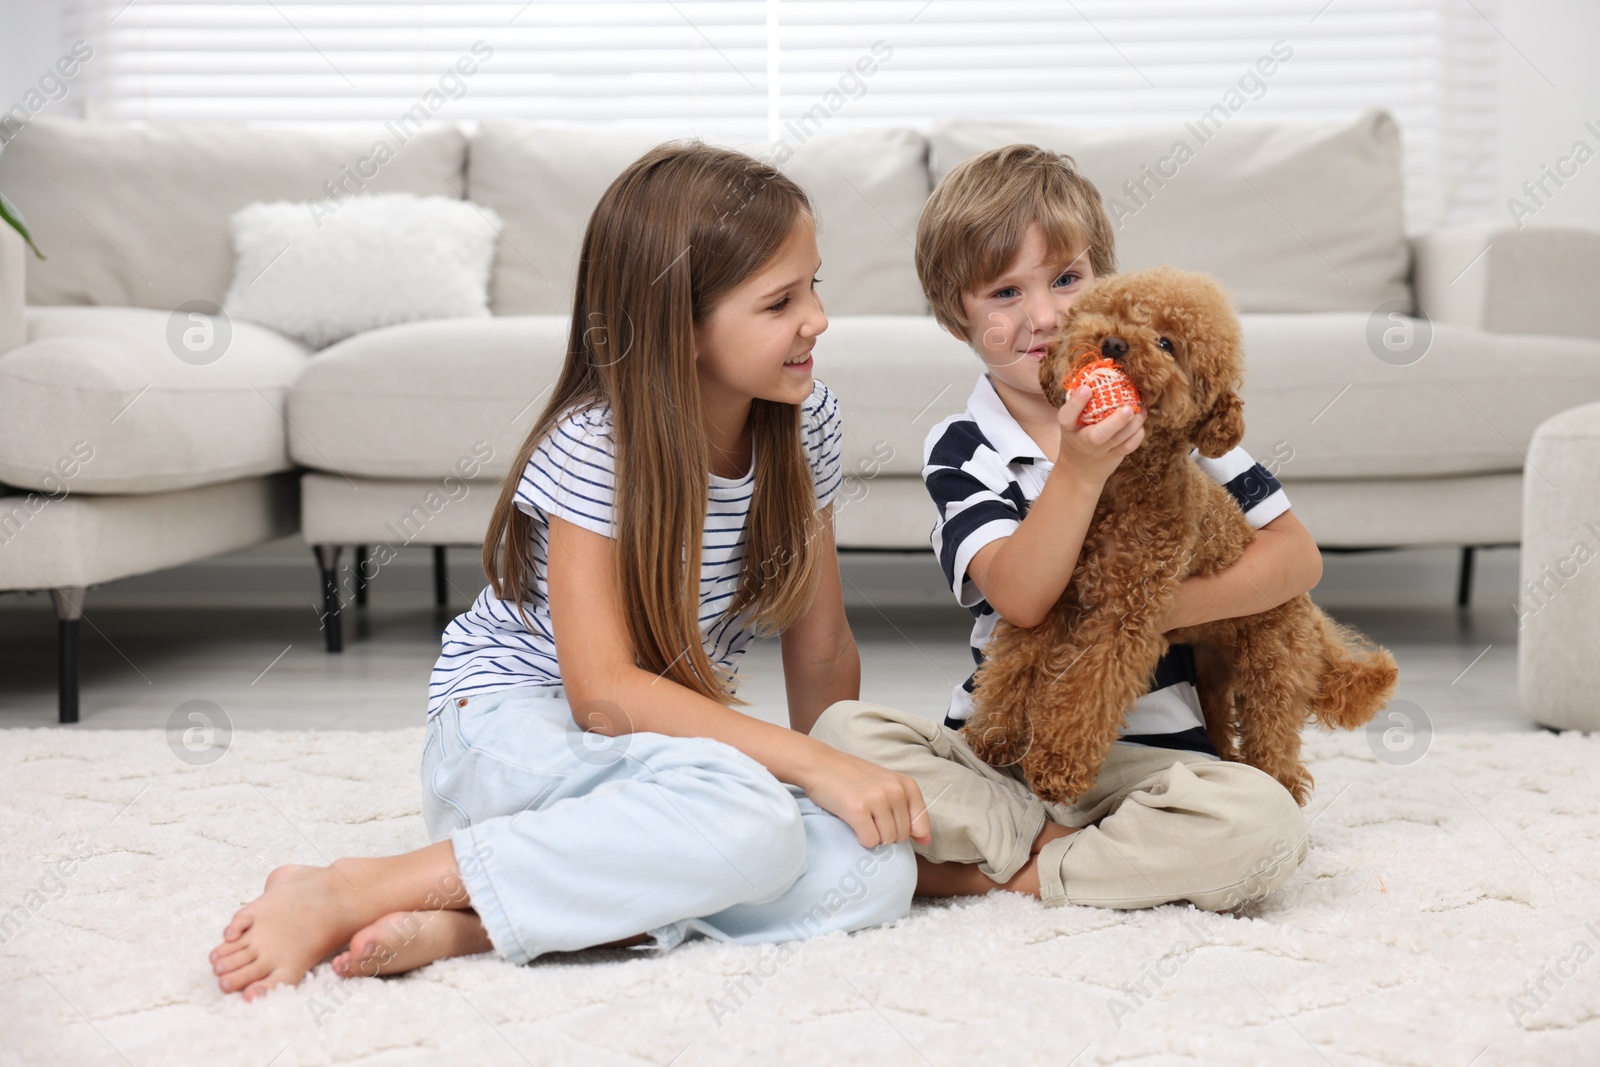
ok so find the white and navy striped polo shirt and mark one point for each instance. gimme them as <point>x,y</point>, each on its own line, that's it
<point>983,471</point>
<point>487,648</point>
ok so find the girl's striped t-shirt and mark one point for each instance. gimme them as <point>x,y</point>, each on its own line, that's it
<point>571,474</point>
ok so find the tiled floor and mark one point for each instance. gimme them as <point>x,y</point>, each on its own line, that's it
<point>264,666</point>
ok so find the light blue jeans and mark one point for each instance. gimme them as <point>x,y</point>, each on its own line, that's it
<point>568,839</point>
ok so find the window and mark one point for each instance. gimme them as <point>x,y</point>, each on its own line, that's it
<point>750,69</point>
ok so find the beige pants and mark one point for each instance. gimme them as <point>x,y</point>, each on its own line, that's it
<point>1159,825</point>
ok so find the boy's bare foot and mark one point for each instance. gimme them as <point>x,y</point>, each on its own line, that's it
<point>302,916</point>
<point>405,940</point>
<point>1051,831</point>
<point>1026,880</point>
<point>965,879</point>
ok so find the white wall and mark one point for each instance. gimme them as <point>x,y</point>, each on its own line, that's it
<point>1549,87</point>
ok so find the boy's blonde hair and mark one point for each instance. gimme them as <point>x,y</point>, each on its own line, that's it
<point>973,224</point>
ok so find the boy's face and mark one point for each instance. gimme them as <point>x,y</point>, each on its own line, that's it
<point>1014,317</point>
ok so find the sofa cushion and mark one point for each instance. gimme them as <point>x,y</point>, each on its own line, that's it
<point>137,216</point>
<point>82,540</point>
<point>1291,217</point>
<point>1320,404</point>
<point>1468,406</point>
<point>418,399</point>
<point>895,376</point>
<point>1459,410</point>
<point>106,381</point>
<point>544,183</point>
<point>320,275</point>
<point>390,513</point>
<point>1466,509</point>
<point>867,188</point>
<point>890,511</point>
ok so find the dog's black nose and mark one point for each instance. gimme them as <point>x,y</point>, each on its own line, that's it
<point>1113,348</point>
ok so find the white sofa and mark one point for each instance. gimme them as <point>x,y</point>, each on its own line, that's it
<point>402,434</point>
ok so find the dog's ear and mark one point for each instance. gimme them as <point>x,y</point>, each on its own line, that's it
<point>1051,368</point>
<point>1050,381</point>
<point>1223,427</point>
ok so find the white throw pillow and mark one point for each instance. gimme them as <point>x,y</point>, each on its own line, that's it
<point>323,270</point>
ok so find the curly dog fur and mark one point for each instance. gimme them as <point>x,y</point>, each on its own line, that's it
<point>1053,697</point>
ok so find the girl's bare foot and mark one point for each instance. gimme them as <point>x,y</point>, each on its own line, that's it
<point>306,914</point>
<point>405,940</point>
<point>302,916</point>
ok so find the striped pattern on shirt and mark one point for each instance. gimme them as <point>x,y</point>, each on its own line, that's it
<point>571,474</point>
<point>983,471</point>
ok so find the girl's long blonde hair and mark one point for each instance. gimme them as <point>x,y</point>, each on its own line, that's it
<point>676,231</point>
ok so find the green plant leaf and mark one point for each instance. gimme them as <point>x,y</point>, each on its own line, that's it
<point>12,217</point>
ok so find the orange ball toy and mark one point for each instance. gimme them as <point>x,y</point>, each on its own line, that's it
<point>1110,388</point>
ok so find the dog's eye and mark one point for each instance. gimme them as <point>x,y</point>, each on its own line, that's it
<point>1165,344</point>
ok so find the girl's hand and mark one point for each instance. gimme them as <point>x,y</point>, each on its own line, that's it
<point>881,806</point>
<point>1096,450</point>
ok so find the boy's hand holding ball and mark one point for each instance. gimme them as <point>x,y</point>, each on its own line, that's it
<point>1102,419</point>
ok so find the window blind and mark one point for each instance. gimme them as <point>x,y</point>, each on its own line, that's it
<point>770,69</point>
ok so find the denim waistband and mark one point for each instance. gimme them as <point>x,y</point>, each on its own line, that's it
<point>554,692</point>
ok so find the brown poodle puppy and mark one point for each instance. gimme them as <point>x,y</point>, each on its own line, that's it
<point>1053,697</point>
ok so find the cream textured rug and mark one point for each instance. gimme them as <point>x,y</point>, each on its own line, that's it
<point>1448,914</point>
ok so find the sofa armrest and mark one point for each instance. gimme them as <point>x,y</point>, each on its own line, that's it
<point>13,328</point>
<point>1496,277</point>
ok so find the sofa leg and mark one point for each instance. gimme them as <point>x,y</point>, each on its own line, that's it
<point>361,576</point>
<point>69,609</point>
<point>1464,578</point>
<point>328,563</point>
<point>441,578</point>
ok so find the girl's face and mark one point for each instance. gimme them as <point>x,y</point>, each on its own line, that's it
<point>1015,317</point>
<point>757,341</point>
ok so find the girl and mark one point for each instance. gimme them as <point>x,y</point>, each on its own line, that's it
<point>586,779</point>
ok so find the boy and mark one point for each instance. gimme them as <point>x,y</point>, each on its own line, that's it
<point>1004,245</point>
